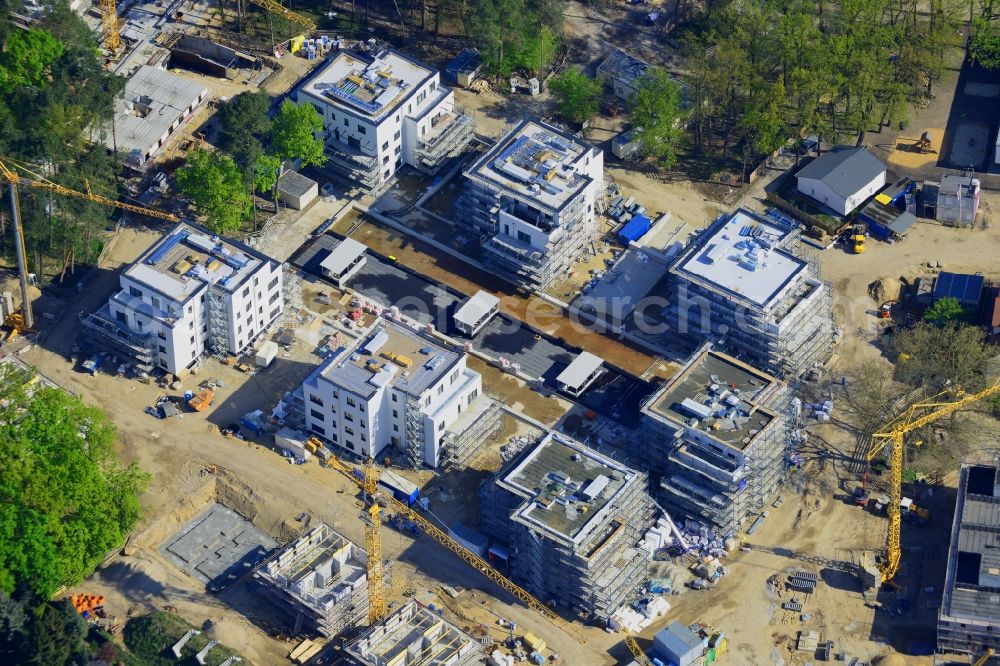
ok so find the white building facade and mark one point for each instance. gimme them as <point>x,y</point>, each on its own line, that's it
<point>533,197</point>
<point>842,179</point>
<point>396,387</point>
<point>190,293</point>
<point>381,111</point>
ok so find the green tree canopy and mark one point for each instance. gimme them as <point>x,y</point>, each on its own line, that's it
<point>293,134</point>
<point>938,356</point>
<point>245,126</point>
<point>656,114</point>
<point>984,44</point>
<point>579,95</point>
<point>943,311</point>
<point>266,173</point>
<point>215,185</point>
<point>65,499</point>
<point>514,35</point>
<point>27,57</point>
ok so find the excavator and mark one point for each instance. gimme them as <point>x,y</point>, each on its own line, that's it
<point>893,435</point>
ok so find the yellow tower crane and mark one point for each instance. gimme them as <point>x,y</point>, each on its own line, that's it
<point>915,417</point>
<point>374,497</point>
<point>109,21</point>
<point>277,8</point>
<point>24,320</point>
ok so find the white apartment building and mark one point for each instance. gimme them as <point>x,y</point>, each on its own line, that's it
<point>396,386</point>
<point>381,111</point>
<point>533,198</point>
<point>189,293</point>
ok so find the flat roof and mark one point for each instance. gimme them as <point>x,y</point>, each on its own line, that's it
<point>535,161</point>
<point>719,392</point>
<point>365,367</point>
<point>565,485</point>
<point>577,372</point>
<point>473,309</point>
<point>973,572</point>
<point>962,286</point>
<point>295,184</point>
<point>320,568</point>
<point>371,86</point>
<point>741,257</point>
<point>189,256</point>
<point>343,255</point>
<point>152,102</point>
<point>415,635</point>
<point>624,66</point>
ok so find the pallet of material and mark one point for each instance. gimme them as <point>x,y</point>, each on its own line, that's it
<point>805,575</point>
<point>792,606</point>
<point>305,651</point>
<point>801,585</point>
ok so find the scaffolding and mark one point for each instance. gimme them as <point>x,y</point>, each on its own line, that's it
<point>478,425</point>
<point>454,136</point>
<point>320,580</point>
<point>100,328</point>
<point>415,636</point>
<point>413,425</point>
<point>218,320</point>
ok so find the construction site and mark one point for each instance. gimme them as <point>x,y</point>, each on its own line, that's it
<point>368,449</point>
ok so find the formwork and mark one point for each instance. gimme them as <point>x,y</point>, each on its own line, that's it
<point>321,580</point>
<point>415,636</point>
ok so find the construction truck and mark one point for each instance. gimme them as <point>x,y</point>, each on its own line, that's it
<point>913,513</point>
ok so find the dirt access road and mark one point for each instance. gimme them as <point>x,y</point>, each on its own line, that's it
<point>257,480</point>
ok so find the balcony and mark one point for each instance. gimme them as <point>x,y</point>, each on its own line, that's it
<point>352,163</point>
<point>450,134</point>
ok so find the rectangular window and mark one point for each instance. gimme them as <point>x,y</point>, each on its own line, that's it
<point>396,135</point>
<point>272,284</point>
<point>274,297</point>
<point>385,160</point>
<point>274,313</point>
<point>347,122</point>
<point>395,428</point>
<point>246,292</point>
<point>521,236</point>
<point>385,146</point>
<point>316,414</point>
<point>395,414</point>
<point>314,400</point>
<point>122,317</point>
<point>192,339</point>
<point>155,301</point>
<point>440,389</point>
<point>362,129</point>
<point>135,292</point>
<point>351,403</point>
<point>349,430</point>
<point>317,428</point>
<point>349,417</point>
<point>394,397</point>
<point>159,334</point>
<point>398,149</point>
<point>163,350</point>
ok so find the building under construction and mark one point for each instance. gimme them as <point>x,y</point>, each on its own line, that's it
<point>414,636</point>
<point>321,580</point>
<point>969,617</point>
<point>717,436</point>
<point>572,518</point>
<point>746,286</point>
<point>479,424</point>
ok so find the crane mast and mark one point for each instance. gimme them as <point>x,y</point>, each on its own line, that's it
<point>915,417</point>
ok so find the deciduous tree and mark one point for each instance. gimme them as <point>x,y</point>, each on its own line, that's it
<point>215,185</point>
<point>293,134</point>
<point>579,95</point>
<point>656,114</point>
<point>65,499</point>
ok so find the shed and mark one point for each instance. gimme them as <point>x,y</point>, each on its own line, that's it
<point>296,191</point>
<point>677,644</point>
<point>476,312</point>
<point>344,261</point>
<point>266,353</point>
<point>580,373</point>
<point>842,179</point>
<point>626,145</point>
<point>967,289</point>
<point>634,229</point>
<point>470,538</point>
<point>464,68</point>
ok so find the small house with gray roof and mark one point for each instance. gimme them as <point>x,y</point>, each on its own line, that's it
<point>842,179</point>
